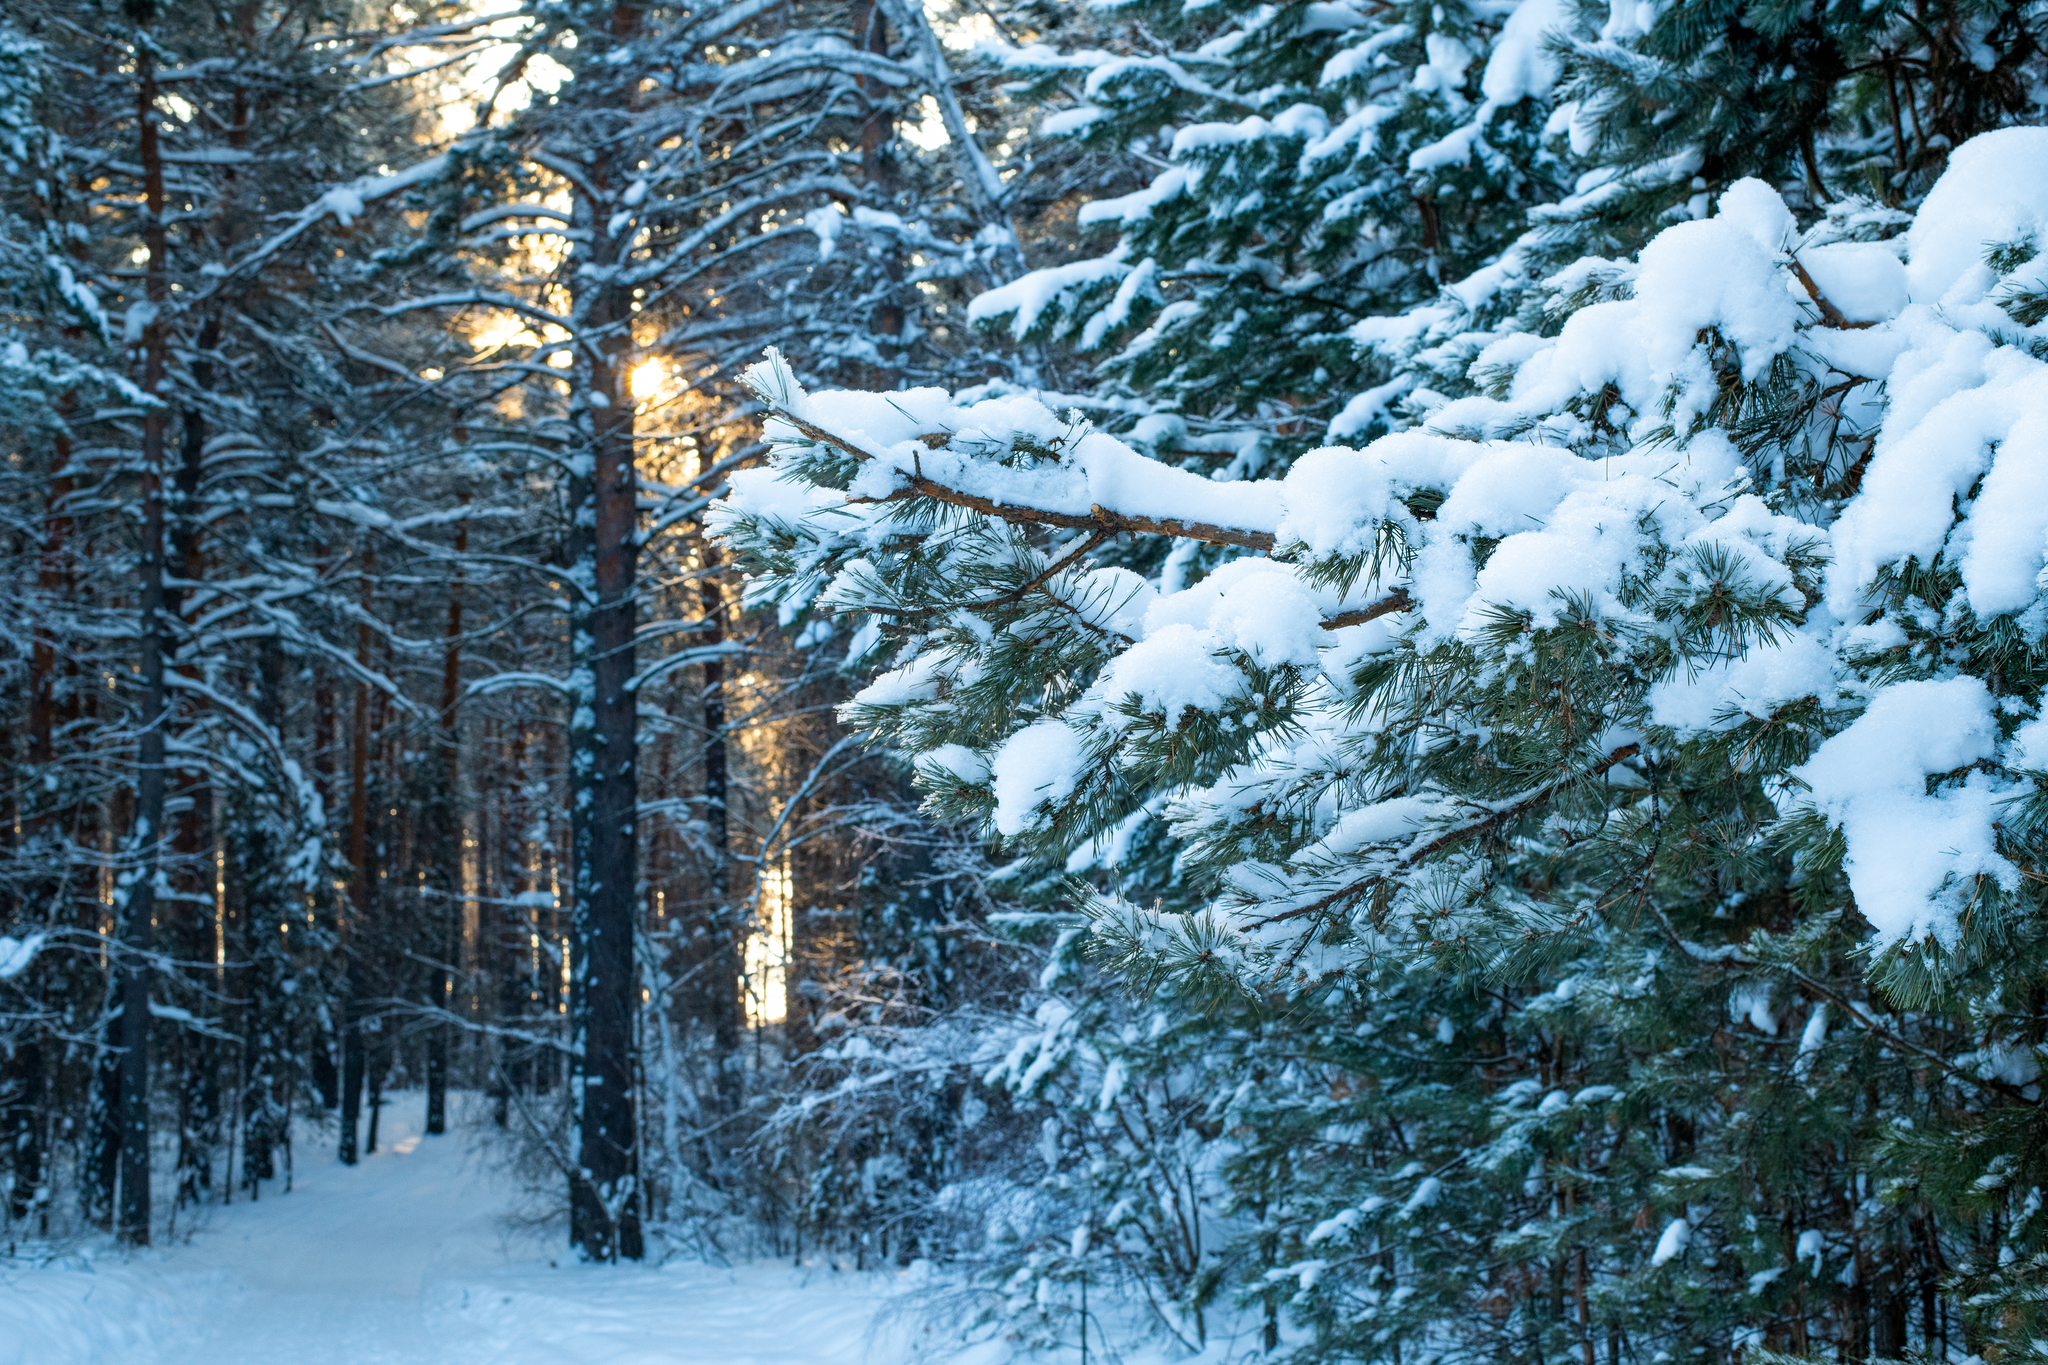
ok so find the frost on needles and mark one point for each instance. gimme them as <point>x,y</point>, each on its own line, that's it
<point>1756,527</point>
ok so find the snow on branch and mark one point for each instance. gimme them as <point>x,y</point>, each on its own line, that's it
<point>17,953</point>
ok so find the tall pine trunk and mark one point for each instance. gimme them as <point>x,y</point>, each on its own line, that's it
<point>353,947</point>
<point>723,958</point>
<point>194,918</point>
<point>447,852</point>
<point>139,913</point>
<point>321,1047</point>
<point>604,739</point>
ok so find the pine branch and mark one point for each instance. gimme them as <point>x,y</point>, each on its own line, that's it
<point>1099,519</point>
<point>1493,819</point>
<point>1830,315</point>
<point>1397,600</point>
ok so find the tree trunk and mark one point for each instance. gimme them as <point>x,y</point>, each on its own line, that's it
<point>102,1172</point>
<point>326,1079</point>
<point>21,1117</point>
<point>726,1008</point>
<point>139,914</point>
<point>449,854</point>
<point>379,1058</point>
<point>351,1027</point>
<point>603,765</point>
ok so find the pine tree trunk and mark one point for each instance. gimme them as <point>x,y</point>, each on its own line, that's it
<point>724,965</point>
<point>379,1057</point>
<point>21,1113</point>
<point>326,1078</point>
<point>102,1173</point>
<point>139,914</point>
<point>604,771</point>
<point>448,855</point>
<point>354,948</point>
<point>264,969</point>
<point>519,983</point>
<point>194,928</point>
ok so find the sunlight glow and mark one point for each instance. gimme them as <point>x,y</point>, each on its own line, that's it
<point>504,328</point>
<point>647,379</point>
<point>767,949</point>
<point>931,133</point>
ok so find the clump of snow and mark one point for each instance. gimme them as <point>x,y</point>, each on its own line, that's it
<point>767,493</point>
<point>1725,273</point>
<point>1039,764</point>
<point>1257,606</point>
<point>1955,399</point>
<point>1810,1040</point>
<point>826,222</point>
<point>1024,300</point>
<point>1522,65</point>
<point>1912,857</point>
<point>1993,191</point>
<point>2029,747</point>
<point>1865,280</point>
<point>2005,538</point>
<point>1677,1236</point>
<point>17,953</point>
<point>954,762</point>
<point>1757,209</point>
<point>1067,122</point>
<point>917,680</point>
<point>1753,684</point>
<point>1173,670</point>
<point>1753,1002</point>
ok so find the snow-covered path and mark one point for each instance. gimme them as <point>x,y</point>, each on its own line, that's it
<point>408,1259</point>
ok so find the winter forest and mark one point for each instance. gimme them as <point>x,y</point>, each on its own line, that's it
<point>1006,680</point>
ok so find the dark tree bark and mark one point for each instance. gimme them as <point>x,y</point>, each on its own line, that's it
<point>604,768</point>
<point>262,964</point>
<point>447,850</point>
<point>379,1058</point>
<point>604,739</point>
<point>322,1048</point>
<point>518,925</point>
<point>724,1005</point>
<point>147,841</point>
<point>353,948</point>
<point>22,1087</point>
<point>102,1173</point>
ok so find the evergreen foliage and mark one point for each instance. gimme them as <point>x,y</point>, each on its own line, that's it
<point>1618,784</point>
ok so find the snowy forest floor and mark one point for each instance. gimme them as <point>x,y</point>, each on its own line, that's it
<point>418,1255</point>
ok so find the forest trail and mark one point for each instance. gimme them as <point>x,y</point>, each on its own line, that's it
<point>409,1259</point>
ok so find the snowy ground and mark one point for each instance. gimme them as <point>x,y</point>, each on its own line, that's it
<point>409,1258</point>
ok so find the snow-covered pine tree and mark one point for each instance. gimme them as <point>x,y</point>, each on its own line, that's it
<point>1314,171</point>
<point>1680,693</point>
<point>1675,101</point>
<point>1317,165</point>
